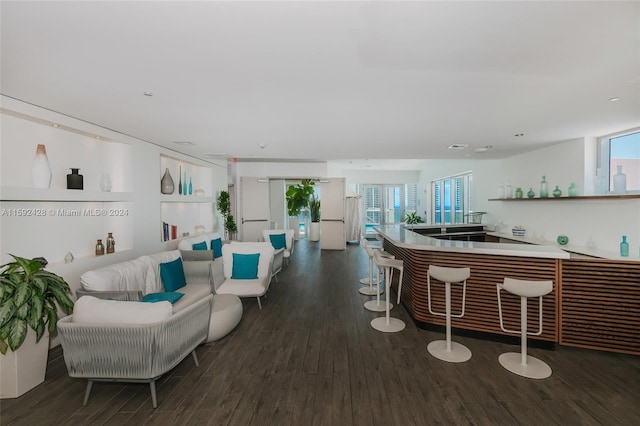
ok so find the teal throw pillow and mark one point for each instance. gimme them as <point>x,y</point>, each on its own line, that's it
<point>278,241</point>
<point>216,246</point>
<point>168,296</point>
<point>200,246</point>
<point>245,266</point>
<point>172,274</point>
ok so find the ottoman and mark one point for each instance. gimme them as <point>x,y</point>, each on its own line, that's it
<point>225,315</point>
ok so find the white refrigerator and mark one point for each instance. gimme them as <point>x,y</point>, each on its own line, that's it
<point>332,214</point>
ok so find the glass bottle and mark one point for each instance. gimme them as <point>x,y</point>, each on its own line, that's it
<point>624,247</point>
<point>509,190</point>
<point>573,190</point>
<point>602,183</point>
<point>619,182</point>
<point>180,181</point>
<point>544,188</point>
<point>557,192</point>
<point>190,186</point>
<point>519,192</point>
<point>531,194</point>
<point>99,248</point>
<point>111,243</point>
<point>501,191</point>
<point>105,182</point>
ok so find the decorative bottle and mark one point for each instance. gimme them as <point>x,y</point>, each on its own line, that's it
<point>99,248</point>
<point>184,184</point>
<point>41,171</point>
<point>190,187</point>
<point>573,190</point>
<point>105,182</point>
<point>166,183</point>
<point>501,191</point>
<point>531,194</point>
<point>619,182</point>
<point>111,243</point>
<point>544,188</point>
<point>624,247</point>
<point>509,190</point>
<point>519,192</point>
<point>180,181</point>
<point>602,183</point>
<point>75,180</point>
<point>557,192</point>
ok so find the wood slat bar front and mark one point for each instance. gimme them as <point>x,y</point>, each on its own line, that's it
<point>481,313</point>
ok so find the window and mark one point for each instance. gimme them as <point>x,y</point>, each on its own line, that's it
<point>620,150</point>
<point>452,199</point>
<point>386,204</point>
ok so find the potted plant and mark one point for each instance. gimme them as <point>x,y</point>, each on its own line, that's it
<point>224,205</point>
<point>297,199</point>
<point>412,218</point>
<point>29,301</point>
<point>314,210</point>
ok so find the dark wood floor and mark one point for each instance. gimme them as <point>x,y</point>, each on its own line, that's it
<point>310,357</point>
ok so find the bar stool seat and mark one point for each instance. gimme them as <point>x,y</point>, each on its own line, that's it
<point>377,305</point>
<point>387,324</point>
<point>446,350</point>
<point>374,287</point>
<point>520,363</point>
<point>364,244</point>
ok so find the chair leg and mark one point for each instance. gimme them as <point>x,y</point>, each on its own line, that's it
<point>195,358</point>
<point>276,277</point>
<point>87,392</point>
<point>154,400</point>
<point>259,304</point>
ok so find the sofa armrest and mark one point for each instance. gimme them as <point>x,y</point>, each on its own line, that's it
<point>196,255</point>
<point>123,295</point>
<point>133,351</point>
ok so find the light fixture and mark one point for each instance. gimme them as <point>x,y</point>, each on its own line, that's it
<point>184,143</point>
<point>148,94</point>
<point>262,145</point>
<point>614,99</point>
<point>458,146</point>
<point>56,125</point>
<point>519,135</point>
<point>98,137</point>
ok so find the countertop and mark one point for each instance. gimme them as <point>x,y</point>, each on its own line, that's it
<point>405,238</point>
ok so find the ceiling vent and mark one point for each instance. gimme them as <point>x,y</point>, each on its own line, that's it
<point>458,146</point>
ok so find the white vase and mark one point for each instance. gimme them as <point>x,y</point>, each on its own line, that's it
<point>314,231</point>
<point>41,171</point>
<point>619,182</point>
<point>294,223</point>
<point>105,182</point>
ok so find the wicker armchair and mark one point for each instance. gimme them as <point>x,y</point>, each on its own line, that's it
<point>133,352</point>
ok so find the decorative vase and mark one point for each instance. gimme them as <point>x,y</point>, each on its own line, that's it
<point>624,246</point>
<point>184,184</point>
<point>573,190</point>
<point>105,182</point>
<point>111,243</point>
<point>41,171</point>
<point>619,182</point>
<point>180,181</point>
<point>68,258</point>
<point>519,192</point>
<point>99,248</point>
<point>75,180</point>
<point>544,188</point>
<point>562,240</point>
<point>531,194</point>
<point>508,190</point>
<point>501,191</point>
<point>557,193</point>
<point>166,183</point>
<point>602,183</point>
<point>190,187</point>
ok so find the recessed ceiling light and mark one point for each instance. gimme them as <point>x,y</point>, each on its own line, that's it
<point>482,149</point>
<point>56,125</point>
<point>148,93</point>
<point>614,99</point>
<point>519,135</point>
<point>184,143</point>
<point>262,145</point>
<point>458,146</point>
<point>98,137</point>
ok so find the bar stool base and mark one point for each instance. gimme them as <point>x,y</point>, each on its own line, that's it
<point>365,281</point>
<point>534,369</point>
<point>458,352</point>
<point>374,306</point>
<point>370,291</point>
<point>394,325</point>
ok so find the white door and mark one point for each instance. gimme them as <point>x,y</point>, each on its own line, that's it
<point>254,207</point>
<point>332,214</point>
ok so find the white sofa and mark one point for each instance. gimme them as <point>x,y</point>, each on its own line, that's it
<point>289,241</point>
<point>186,246</point>
<point>257,287</point>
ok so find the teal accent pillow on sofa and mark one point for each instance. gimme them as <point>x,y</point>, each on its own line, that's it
<point>168,296</point>
<point>245,266</point>
<point>216,246</point>
<point>199,246</point>
<point>172,274</point>
<point>278,241</point>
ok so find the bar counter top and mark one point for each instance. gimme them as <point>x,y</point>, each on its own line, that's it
<point>400,236</point>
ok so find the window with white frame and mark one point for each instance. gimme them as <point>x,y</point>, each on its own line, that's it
<point>452,199</point>
<point>620,152</point>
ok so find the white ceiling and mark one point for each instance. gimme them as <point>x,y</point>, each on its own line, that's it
<point>331,80</point>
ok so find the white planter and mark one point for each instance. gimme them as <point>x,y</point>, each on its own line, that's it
<point>314,231</point>
<point>24,369</point>
<point>294,223</point>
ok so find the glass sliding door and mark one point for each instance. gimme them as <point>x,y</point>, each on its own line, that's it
<point>386,204</point>
<point>452,199</point>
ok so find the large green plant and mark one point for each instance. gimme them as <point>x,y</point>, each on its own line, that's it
<point>298,196</point>
<point>224,205</point>
<point>29,297</point>
<point>314,208</point>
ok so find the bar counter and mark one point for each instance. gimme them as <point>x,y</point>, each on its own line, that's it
<point>595,303</point>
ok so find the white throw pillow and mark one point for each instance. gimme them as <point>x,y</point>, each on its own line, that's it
<point>91,310</point>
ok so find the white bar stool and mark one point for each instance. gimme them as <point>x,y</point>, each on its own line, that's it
<point>377,305</point>
<point>373,288</point>
<point>521,363</point>
<point>387,324</point>
<point>446,350</point>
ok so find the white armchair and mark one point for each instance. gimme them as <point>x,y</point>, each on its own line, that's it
<point>236,281</point>
<point>288,235</point>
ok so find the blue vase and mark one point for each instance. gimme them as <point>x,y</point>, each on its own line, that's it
<point>624,247</point>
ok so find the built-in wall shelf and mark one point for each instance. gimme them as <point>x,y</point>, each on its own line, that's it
<point>185,199</point>
<point>13,193</point>
<point>581,197</point>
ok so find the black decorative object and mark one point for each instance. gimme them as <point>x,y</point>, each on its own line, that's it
<point>166,184</point>
<point>75,180</point>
